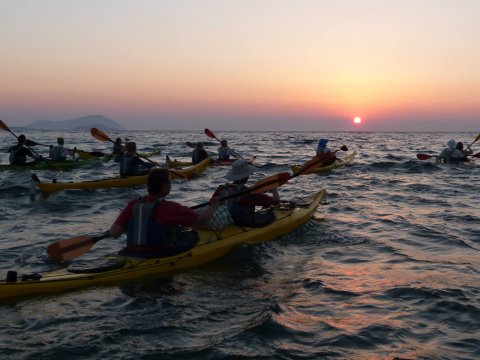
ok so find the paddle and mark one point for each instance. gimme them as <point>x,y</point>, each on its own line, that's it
<point>474,141</point>
<point>4,126</point>
<point>73,247</point>
<point>313,163</point>
<point>34,143</point>
<point>425,156</point>
<point>211,135</point>
<point>100,135</point>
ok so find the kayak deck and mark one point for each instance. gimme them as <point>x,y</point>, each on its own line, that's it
<point>210,246</point>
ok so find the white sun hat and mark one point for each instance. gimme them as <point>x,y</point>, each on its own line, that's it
<point>239,170</point>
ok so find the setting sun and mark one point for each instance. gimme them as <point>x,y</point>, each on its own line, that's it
<point>357,120</point>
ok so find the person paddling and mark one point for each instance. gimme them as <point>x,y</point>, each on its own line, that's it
<point>224,152</point>
<point>242,208</point>
<point>199,154</point>
<point>156,226</point>
<point>466,152</point>
<point>324,152</point>
<point>19,152</point>
<point>59,153</point>
<point>130,163</point>
<point>450,154</point>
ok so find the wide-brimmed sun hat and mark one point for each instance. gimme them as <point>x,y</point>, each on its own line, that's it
<point>239,170</point>
<point>322,142</point>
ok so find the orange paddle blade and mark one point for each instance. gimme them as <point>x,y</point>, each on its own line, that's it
<point>100,135</point>
<point>270,183</point>
<point>73,247</point>
<point>70,248</point>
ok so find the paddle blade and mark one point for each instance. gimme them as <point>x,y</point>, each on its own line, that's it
<point>189,144</point>
<point>210,134</point>
<point>344,148</point>
<point>477,155</point>
<point>4,126</point>
<point>317,161</point>
<point>476,139</point>
<point>424,156</point>
<point>100,135</point>
<point>270,183</point>
<point>73,247</point>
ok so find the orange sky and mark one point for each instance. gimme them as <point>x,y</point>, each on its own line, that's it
<point>265,65</point>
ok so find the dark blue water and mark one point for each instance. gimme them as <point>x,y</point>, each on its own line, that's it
<point>389,268</point>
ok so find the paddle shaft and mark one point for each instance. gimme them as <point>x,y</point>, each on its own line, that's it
<point>210,134</point>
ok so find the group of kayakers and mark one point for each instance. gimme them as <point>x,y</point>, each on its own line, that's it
<point>20,152</point>
<point>454,152</point>
<point>156,226</point>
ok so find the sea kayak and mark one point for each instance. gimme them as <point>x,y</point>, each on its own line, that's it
<point>117,268</point>
<point>338,163</point>
<point>48,164</point>
<point>119,181</point>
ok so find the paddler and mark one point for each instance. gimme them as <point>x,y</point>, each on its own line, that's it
<point>19,152</point>
<point>156,226</point>
<point>199,154</point>
<point>130,163</point>
<point>242,208</point>
<point>323,151</point>
<point>450,154</point>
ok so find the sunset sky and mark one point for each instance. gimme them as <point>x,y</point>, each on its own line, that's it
<point>399,65</point>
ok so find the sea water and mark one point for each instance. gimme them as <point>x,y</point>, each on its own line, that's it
<point>387,269</point>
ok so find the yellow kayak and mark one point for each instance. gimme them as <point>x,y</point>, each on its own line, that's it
<point>116,268</point>
<point>185,173</point>
<point>338,163</point>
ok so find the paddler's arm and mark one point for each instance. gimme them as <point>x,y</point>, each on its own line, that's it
<point>206,214</point>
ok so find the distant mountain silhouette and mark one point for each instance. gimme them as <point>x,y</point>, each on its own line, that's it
<point>78,124</point>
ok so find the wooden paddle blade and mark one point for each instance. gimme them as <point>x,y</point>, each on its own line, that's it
<point>477,155</point>
<point>73,247</point>
<point>100,135</point>
<point>270,183</point>
<point>189,144</point>
<point>344,148</point>
<point>424,156</point>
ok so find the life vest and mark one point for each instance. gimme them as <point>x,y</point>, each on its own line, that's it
<point>223,153</point>
<point>142,229</point>
<point>199,155</point>
<point>59,153</point>
<point>126,165</point>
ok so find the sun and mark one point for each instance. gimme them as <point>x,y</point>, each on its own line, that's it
<point>357,120</point>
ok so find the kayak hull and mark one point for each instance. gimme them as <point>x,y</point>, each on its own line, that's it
<point>347,160</point>
<point>210,246</point>
<point>49,187</point>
